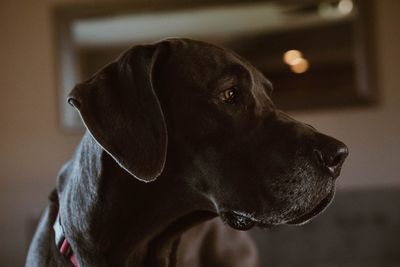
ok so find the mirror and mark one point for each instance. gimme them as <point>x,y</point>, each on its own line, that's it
<point>317,53</point>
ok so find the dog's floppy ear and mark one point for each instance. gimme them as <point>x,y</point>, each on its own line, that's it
<point>121,110</point>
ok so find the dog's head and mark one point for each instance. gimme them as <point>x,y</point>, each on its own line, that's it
<point>213,111</point>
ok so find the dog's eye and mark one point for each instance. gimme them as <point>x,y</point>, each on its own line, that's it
<point>229,95</point>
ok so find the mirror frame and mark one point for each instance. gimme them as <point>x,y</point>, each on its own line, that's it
<point>67,60</point>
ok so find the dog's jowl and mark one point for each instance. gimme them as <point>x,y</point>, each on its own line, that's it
<point>183,148</point>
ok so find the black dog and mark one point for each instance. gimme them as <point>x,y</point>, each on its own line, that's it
<point>179,132</point>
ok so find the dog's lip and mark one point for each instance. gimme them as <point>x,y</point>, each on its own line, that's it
<point>322,205</point>
<point>238,220</point>
<point>248,220</point>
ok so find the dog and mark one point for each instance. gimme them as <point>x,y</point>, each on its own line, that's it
<point>183,148</point>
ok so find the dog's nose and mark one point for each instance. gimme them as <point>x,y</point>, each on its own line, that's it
<point>331,156</point>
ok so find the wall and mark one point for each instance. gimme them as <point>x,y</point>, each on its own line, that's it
<point>32,148</point>
<point>372,134</point>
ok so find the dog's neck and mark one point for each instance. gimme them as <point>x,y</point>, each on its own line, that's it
<point>106,211</point>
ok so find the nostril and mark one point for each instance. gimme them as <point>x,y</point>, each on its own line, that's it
<point>332,156</point>
<point>336,160</point>
<point>340,156</point>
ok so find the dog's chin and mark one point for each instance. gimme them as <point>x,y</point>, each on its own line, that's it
<point>320,207</point>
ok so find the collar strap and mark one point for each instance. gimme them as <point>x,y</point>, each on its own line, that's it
<point>62,243</point>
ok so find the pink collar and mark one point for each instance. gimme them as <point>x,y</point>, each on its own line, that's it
<point>62,243</point>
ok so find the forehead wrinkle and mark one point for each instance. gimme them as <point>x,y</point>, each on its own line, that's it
<point>265,82</point>
<point>261,97</point>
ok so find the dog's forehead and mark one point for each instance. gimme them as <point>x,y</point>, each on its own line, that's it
<point>203,61</point>
<point>207,68</point>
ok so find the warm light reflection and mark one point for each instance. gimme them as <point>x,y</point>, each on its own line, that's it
<point>300,65</point>
<point>292,55</point>
<point>296,61</point>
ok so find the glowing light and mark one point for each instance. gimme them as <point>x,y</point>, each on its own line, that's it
<point>345,6</point>
<point>292,55</point>
<point>300,65</point>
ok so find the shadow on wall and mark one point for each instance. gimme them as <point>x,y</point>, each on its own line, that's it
<point>360,228</point>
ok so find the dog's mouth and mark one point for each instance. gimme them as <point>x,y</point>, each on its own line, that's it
<point>238,220</point>
<point>244,221</point>
<point>320,207</point>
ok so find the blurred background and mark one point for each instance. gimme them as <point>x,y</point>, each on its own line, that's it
<point>334,64</point>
